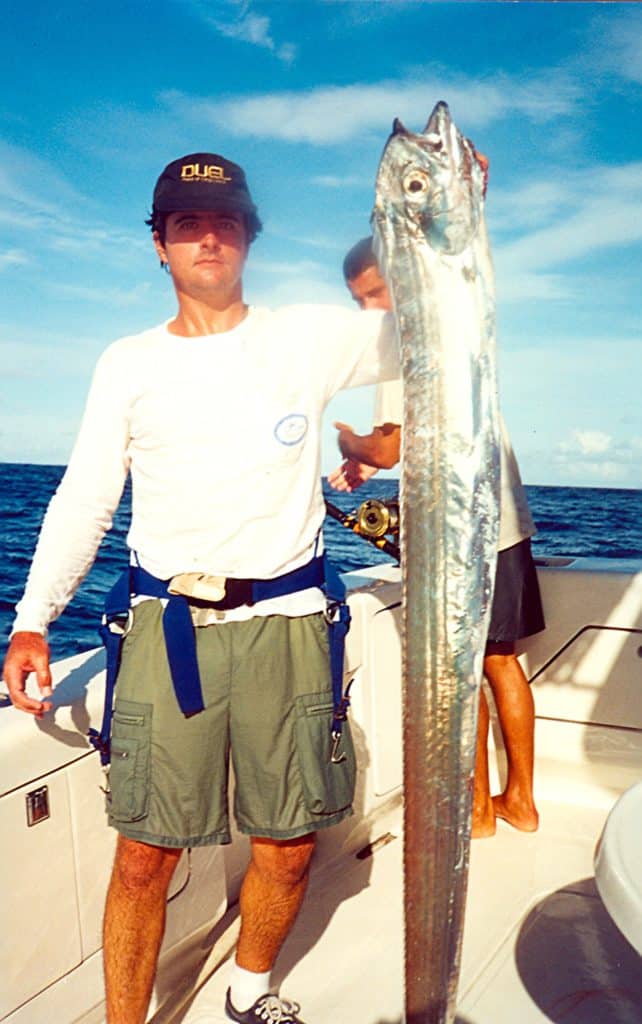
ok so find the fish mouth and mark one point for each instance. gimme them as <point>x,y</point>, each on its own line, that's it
<point>439,121</point>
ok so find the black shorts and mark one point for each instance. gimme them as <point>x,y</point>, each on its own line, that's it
<point>517,606</point>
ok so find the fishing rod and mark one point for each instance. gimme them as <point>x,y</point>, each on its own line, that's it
<point>372,521</point>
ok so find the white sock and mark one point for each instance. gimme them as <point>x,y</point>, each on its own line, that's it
<point>247,986</point>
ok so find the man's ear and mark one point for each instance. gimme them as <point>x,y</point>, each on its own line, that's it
<point>160,248</point>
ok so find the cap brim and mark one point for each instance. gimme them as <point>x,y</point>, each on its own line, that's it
<point>204,200</point>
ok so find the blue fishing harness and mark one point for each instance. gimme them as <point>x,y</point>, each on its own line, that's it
<point>180,637</point>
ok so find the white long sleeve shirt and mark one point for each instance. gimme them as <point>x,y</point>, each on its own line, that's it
<point>221,434</point>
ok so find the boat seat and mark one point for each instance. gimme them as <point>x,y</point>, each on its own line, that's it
<point>618,865</point>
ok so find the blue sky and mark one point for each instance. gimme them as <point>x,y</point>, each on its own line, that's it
<point>97,98</point>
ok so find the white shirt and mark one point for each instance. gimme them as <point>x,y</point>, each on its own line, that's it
<point>515,521</point>
<point>221,434</point>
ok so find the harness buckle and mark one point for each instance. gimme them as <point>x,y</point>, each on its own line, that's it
<point>198,586</point>
<point>103,746</point>
<point>332,612</point>
<point>222,592</point>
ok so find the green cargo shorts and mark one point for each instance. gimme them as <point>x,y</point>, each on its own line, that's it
<point>268,702</point>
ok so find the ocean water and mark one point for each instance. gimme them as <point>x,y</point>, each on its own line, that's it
<point>574,521</point>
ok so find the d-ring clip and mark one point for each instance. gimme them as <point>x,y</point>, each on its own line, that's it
<point>335,756</point>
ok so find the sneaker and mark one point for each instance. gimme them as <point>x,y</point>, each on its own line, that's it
<point>268,1008</point>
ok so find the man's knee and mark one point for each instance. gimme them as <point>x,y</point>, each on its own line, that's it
<point>499,660</point>
<point>139,866</point>
<point>284,862</point>
<point>501,670</point>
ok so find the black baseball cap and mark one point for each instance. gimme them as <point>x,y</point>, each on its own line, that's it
<point>202,181</point>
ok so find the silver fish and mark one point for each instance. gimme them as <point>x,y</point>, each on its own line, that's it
<point>432,247</point>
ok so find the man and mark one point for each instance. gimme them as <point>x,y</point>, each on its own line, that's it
<point>516,610</point>
<point>216,414</point>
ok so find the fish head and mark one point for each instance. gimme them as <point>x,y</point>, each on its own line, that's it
<point>430,184</point>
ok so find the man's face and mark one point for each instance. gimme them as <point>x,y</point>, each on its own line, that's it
<point>205,249</point>
<point>369,291</point>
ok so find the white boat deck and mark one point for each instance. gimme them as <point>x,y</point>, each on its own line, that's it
<point>538,943</point>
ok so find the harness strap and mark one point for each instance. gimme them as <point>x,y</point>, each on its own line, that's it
<point>338,618</point>
<point>179,635</point>
<point>179,639</point>
<point>117,607</point>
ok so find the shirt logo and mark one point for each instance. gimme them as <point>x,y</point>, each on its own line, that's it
<point>208,172</point>
<point>291,429</point>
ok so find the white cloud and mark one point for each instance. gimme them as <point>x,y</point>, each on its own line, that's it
<point>255,29</point>
<point>560,219</point>
<point>317,241</point>
<point>37,353</point>
<point>19,169</point>
<point>44,207</point>
<point>13,258</point>
<point>337,181</point>
<point>562,191</point>
<point>530,203</point>
<point>336,114</point>
<point>235,19</point>
<point>79,240</point>
<point>599,223</point>
<point>291,287</point>
<point>620,45</point>
<point>516,285</point>
<point>292,267</point>
<point>563,395</point>
<point>594,454</point>
<point>38,436</point>
<point>587,442</point>
<point>107,297</point>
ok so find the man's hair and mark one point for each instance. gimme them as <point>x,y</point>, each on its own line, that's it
<point>359,258</point>
<point>157,222</point>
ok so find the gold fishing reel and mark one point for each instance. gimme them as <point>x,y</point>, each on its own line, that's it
<point>377,518</point>
<point>372,521</point>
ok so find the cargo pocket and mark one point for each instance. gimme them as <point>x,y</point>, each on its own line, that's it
<point>328,785</point>
<point>131,736</point>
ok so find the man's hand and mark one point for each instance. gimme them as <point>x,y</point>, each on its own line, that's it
<point>484,164</point>
<point>350,475</point>
<point>28,652</point>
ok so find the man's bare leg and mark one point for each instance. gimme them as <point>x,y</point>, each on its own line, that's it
<point>271,894</point>
<point>134,925</point>
<point>516,712</point>
<point>483,821</point>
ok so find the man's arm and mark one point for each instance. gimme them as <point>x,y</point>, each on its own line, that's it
<point>364,454</point>
<point>78,516</point>
<point>380,449</point>
<point>346,348</point>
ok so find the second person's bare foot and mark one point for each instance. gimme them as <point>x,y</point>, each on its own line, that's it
<point>522,817</point>
<point>483,821</point>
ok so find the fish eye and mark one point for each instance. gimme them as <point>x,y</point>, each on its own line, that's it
<point>416,183</point>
